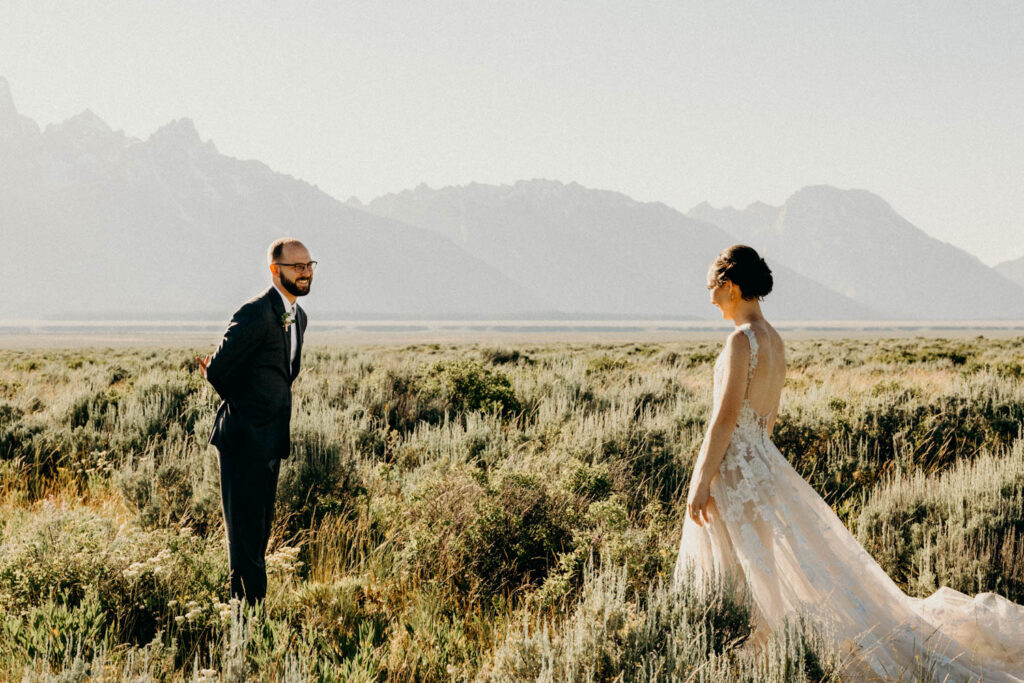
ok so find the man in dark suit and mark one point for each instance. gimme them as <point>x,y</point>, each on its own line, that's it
<point>252,371</point>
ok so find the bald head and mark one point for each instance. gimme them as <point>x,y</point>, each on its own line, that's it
<point>291,267</point>
<point>276,249</point>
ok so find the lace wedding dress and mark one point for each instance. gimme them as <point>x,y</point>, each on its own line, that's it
<point>772,531</point>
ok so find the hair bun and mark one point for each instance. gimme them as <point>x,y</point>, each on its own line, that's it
<point>742,266</point>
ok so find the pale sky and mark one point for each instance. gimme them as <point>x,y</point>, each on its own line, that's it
<point>673,101</point>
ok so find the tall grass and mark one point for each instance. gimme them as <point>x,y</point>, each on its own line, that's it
<point>963,528</point>
<point>473,513</point>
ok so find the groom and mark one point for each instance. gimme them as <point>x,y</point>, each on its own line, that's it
<point>252,371</point>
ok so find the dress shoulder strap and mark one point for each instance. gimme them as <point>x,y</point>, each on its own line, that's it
<point>753,351</point>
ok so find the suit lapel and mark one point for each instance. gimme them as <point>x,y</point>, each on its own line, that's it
<point>299,317</point>
<point>278,305</point>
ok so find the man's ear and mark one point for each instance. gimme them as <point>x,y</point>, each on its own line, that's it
<point>274,269</point>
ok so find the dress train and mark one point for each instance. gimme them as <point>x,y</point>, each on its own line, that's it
<point>772,531</point>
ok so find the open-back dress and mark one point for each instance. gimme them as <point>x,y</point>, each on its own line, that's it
<point>770,530</point>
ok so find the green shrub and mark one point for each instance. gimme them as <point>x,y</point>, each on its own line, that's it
<point>465,385</point>
<point>488,539</point>
<point>141,580</point>
<point>502,356</point>
<point>896,429</point>
<point>602,365</point>
<point>438,493</point>
<point>146,413</point>
<point>963,529</point>
<point>318,479</point>
<point>174,483</point>
<point>520,529</point>
<point>591,482</point>
<point>55,632</point>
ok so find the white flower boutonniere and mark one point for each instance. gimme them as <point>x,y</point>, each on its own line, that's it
<point>287,318</point>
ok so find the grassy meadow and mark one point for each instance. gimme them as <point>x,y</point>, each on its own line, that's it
<point>466,512</point>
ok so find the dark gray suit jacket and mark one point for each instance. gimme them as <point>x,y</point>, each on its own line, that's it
<point>250,371</point>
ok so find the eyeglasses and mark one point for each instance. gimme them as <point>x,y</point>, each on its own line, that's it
<point>311,266</point>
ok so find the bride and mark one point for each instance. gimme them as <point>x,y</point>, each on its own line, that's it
<point>752,517</point>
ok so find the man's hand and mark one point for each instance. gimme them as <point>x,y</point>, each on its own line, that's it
<point>203,363</point>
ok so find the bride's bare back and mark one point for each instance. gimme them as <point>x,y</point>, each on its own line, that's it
<point>764,390</point>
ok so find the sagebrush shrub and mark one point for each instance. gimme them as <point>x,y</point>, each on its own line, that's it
<point>438,494</point>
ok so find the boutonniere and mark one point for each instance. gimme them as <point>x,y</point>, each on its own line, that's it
<point>287,318</point>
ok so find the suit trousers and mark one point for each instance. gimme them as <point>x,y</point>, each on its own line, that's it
<point>248,488</point>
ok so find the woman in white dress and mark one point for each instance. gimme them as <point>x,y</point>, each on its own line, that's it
<point>752,517</point>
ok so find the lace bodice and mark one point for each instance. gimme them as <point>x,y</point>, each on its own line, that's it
<point>749,463</point>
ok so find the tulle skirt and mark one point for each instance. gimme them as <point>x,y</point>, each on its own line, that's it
<point>774,534</point>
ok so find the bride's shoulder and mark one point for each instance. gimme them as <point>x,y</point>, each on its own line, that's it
<point>737,344</point>
<point>745,335</point>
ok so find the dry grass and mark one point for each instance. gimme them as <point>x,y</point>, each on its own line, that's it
<point>453,512</point>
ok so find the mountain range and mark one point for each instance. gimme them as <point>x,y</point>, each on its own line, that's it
<point>594,250</point>
<point>108,224</point>
<point>856,243</point>
<point>101,223</point>
<point>1013,270</point>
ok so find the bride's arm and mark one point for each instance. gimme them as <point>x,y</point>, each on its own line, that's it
<point>723,422</point>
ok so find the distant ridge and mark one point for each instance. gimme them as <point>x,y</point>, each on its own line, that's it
<point>127,226</point>
<point>853,241</point>
<point>1013,270</point>
<point>596,250</point>
<point>120,226</point>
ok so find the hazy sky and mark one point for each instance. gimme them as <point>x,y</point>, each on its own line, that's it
<point>679,102</point>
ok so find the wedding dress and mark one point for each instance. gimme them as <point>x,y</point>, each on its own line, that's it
<point>774,533</point>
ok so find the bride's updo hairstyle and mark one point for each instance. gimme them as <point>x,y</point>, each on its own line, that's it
<point>742,266</point>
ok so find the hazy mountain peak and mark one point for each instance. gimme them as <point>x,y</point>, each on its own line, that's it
<point>538,191</point>
<point>761,207</point>
<point>704,210</point>
<point>593,251</point>
<point>545,185</point>
<point>572,193</point>
<point>180,133</point>
<point>1013,269</point>
<point>87,121</point>
<point>12,124</point>
<point>84,138</point>
<point>853,241</point>
<point>9,119</point>
<point>88,188</point>
<point>827,195</point>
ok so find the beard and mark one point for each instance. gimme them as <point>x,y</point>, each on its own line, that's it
<point>299,286</point>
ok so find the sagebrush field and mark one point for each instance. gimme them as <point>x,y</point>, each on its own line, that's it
<point>465,512</point>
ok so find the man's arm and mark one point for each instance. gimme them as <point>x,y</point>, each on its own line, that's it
<point>244,333</point>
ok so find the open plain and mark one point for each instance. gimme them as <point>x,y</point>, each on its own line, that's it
<point>457,510</point>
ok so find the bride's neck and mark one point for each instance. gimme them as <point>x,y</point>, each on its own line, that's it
<point>747,312</point>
